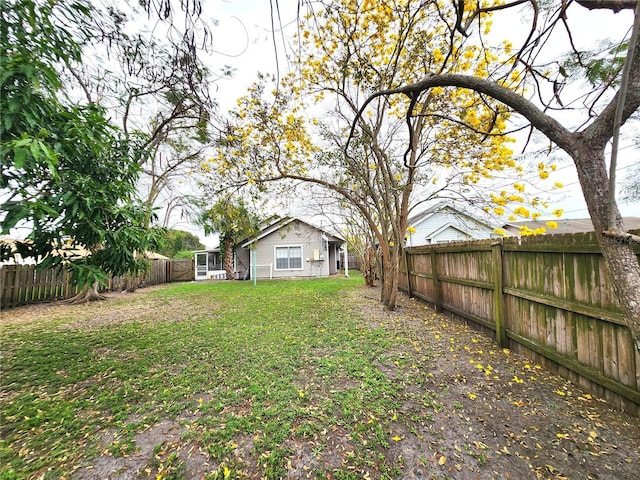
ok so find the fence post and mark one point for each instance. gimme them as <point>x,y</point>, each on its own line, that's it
<point>498,296</point>
<point>436,283</point>
<point>406,265</point>
<point>16,287</point>
<point>67,286</point>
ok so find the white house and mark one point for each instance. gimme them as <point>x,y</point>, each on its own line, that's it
<point>445,223</point>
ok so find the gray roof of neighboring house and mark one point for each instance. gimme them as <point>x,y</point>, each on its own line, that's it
<point>571,225</point>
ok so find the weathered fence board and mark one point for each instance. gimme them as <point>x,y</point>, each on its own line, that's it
<point>180,271</point>
<point>24,284</point>
<point>547,297</point>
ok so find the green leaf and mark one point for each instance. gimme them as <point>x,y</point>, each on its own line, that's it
<point>19,157</point>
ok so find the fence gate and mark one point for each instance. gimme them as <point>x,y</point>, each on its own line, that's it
<point>180,270</point>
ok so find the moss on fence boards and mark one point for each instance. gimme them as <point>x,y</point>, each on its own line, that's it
<point>556,304</point>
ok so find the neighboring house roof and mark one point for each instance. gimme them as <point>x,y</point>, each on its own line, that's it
<point>567,225</point>
<point>279,223</point>
<point>67,251</point>
<point>9,250</point>
<point>155,256</point>
<point>444,221</point>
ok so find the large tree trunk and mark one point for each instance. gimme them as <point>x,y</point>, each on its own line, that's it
<point>228,258</point>
<point>88,294</point>
<point>620,260</point>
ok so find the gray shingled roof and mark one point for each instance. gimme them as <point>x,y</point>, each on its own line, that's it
<point>572,225</point>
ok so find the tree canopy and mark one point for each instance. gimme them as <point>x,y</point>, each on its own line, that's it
<point>68,174</point>
<point>174,241</point>
<point>613,98</point>
<point>298,130</point>
<point>154,82</point>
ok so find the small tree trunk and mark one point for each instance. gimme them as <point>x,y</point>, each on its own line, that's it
<point>369,267</point>
<point>228,258</point>
<point>390,273</point>
<point>88,294</point>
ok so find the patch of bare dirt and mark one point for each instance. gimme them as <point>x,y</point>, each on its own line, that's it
<point>493,414</point>
<point>309,455</point>
<point>159,448</point>
<point>139,306</point>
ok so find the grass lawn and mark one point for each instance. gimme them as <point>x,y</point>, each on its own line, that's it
<point>230,365</point>
<point>287,379</point>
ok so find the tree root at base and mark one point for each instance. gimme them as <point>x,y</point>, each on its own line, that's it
<point>86,297</point>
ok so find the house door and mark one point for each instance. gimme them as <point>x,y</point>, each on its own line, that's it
<point>201,265</point>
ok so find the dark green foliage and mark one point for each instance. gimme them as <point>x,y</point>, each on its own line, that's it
<point>67,172</point>
<point>175,242</point>
<point>231,219</point>
<point>234,222</point>
<point>184,255</point>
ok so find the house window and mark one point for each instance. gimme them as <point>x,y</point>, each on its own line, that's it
<point>289,258</point>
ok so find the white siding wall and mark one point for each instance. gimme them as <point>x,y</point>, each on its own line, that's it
<point>426,228</point>
<point>450,234</point>
<point>296,233</point>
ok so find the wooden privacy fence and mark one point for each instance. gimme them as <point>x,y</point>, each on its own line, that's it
<point>547,297</point>
<point>23,284</point>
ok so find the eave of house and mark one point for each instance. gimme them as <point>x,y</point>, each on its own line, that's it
<point>444,207</point>
<point>274,227</point>
<point>281,223</point>
<point>443,228</point>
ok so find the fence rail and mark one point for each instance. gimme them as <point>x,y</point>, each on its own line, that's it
<point>547,297</point>
<point>24,284</point>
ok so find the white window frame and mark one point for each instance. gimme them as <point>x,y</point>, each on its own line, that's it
<point>275,257</point>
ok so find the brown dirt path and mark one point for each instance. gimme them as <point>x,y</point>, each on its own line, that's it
<point>500,415</point>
